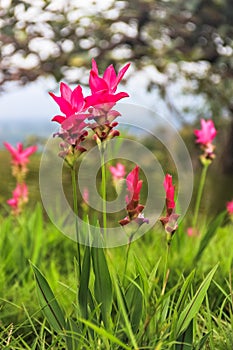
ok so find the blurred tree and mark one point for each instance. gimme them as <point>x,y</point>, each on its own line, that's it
<point>176,39</point>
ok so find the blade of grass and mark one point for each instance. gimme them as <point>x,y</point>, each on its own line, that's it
<point>194,305</point>
<point>103,333</point>
<point>48,302</point>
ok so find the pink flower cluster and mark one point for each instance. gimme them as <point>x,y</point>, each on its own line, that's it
<point>20,159</point>
<point>205,136</point>
<point>94,111</point>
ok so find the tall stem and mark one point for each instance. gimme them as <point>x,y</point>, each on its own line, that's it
<point>75,204</point>
<point>126,259</point>
<point>166,270</point>
<point>199,193</point>
<point>103,190</point>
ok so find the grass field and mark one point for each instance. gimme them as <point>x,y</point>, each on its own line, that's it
<point>30,239</point>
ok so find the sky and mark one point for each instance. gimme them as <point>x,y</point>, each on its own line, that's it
<point>28,110</point>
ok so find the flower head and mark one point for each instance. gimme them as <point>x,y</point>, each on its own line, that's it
<point>118,172</point>
<point>230,207</point>
<point>134,209</point>
<point>103,88</point>
<point>207,132</point>
<point>192,232</point>
<point>20,197</point>
<point>170,193</point>
<point>70,102</point>
<point>170,220</point>
<point>20,155</point>
<point>205,137</point>
<point>110,80</point>
<point>102,99</point>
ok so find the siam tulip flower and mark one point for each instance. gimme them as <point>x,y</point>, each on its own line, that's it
<point>70,102</point>
<point>103,89</point>
<point>20,197</point>
<point>230,208</point>
<point>207,132</point>
<point>170,220</point>
<point>72,125</point>
<point>205,136</point>
<point>20,155</point>
<point>118,172</point>
<point>192,232</point>
<point>20,158</point>
<point>102,100</point>
<point>134,209</point>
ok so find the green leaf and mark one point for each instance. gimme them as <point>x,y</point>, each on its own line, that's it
<point>84,282</point>
<point>103,333</point>
<point>212,228</point>
<point>134,301</point>
<point>202,342</point>
<point>194,305</point>
<point>49,305</point>
<point>185,340</point>
<point>103,284</point>
<point>73,334</point>
<point>184,292</point>
<point>123,311</point>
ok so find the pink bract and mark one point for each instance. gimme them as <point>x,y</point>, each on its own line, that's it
<point>170,192</point>
<point>133,207</point>
<point>103,88</point>
<point>110,79</point>
<point>70,102</point>
<point>230,207</point>
<point>20,196</point>
<point>207,132</point>
<point>20,155</point>
<point>118,172</point>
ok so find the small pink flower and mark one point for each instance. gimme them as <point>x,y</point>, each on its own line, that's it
<point>20,197</point>
<point>103,89</point>
<point>86,195</point>
<point>118,172</point>
<point>230,207</point>
<point>207,132</point>
<point>170,220</point>
<point>20,155</point>
<point>192,232</point>
<point>170,192</point>
<point>134,209</point>
<point>110,80</point>
<point>70,102</point>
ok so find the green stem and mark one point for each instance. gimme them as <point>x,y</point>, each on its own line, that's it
<point>199,194</point>
<point>165,272</point>
<point>103,190</point>
<point>126,259</point>
<point>75,204</point>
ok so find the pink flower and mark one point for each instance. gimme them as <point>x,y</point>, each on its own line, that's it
<point>86,195</point>
<point>207,132</point>
<point>20,155</point>
<point>170,192</point>
<point>230,207</point>
<point>20,197</point>
<point>133,207</point>
<point>170,220</point>
<point>192,232</point>
<point>110,80</point>
<point>103,89</point>
<point>118,172</point>
<point>70,102</point>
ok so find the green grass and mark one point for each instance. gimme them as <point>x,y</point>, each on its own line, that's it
<point>32,238</point>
